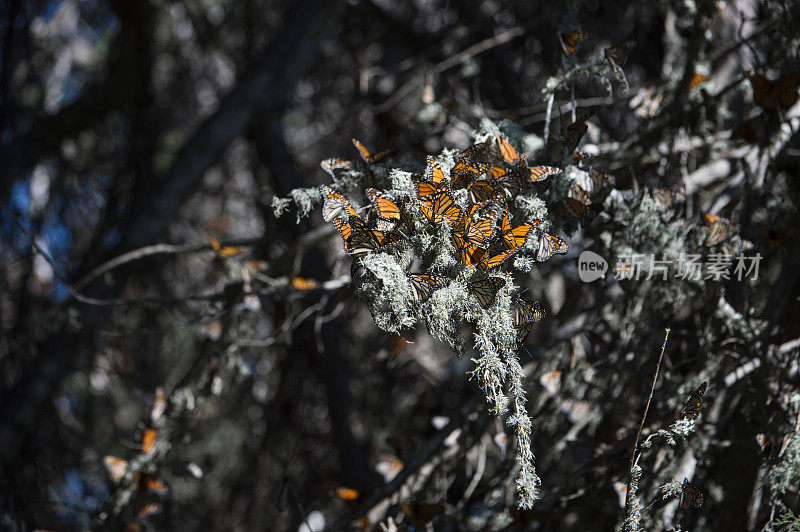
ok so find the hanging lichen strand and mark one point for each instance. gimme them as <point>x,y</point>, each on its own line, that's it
<point>440,248</point>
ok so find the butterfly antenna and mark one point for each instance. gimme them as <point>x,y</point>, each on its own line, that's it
<point>528,352</point>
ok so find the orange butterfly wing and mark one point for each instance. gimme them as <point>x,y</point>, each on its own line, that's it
<point>550,245</point>
<point>513,238</point>
<point>366,155</point>
<point>439,208</point>
<point>434,174</point>
<point>540,173</point>
<point>570,41</point>
<point>385,208</point>
<point>507,151</point>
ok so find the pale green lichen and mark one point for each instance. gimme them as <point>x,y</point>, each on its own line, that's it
<point>382,282</point>
<point>633,507</point>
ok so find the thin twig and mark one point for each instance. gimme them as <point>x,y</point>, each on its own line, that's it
<point>547,117</point>
<point>450,62</point>
<point>629,494</point>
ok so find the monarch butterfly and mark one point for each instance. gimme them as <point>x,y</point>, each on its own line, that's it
<point>359,240</point>
<point>479,226</point>
<point>697,80</point>
<point>492,207</point>
<point>467,239</point>
<point>470,255</point>
<point>515,237</point>
<point>420,514</point>
<point>622,492</point>
<point>599,182</point>
<point>476,257</point>
<point>486,290</point>
<point>301,283</point>
<point>551,381</point>
<point>148,510</point>
<point>435,175</point>
<point>570,41</point>
<point>149,440</point>
<point>223,251</point>
<point>424,188</point>
<point>617,55</point>
<point>575,131</point>
<point>509,154</point>
<point>433,181</point>
<point>481,190</point>
<point>765,444</point>
<point>389,466</point>
<point>692,408</point>
<point>578,203</point>
<point>352,497</point>
<point>526,311</point>
<point>518,161</point>
<point>439,207</point>
<point>146,482</point>
<point>494,261</point>
<point>424,284</point>
<point>691,497</point>
<point>525,314</point>
<point>471,164</point>
<point>367,156</point>
<point>334,204</point>
<point>550,245</point>
<point>585,202</point>
<point>388,212</point>
<point>509,183</point>
<point>116,467</point>
<point>667,202</point>
<point>719,229</point>
<point>771,95</point>
<point>335,163</point>
<point>540,173</point>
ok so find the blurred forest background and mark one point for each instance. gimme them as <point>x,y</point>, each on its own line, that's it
<point>175,356</point>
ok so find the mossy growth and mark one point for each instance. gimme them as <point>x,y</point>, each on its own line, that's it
<point>470,288</point>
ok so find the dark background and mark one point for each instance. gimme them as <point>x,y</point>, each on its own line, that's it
<point>131,123</point>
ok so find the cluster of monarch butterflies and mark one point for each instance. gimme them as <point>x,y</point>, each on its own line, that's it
<point>490,174</point>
